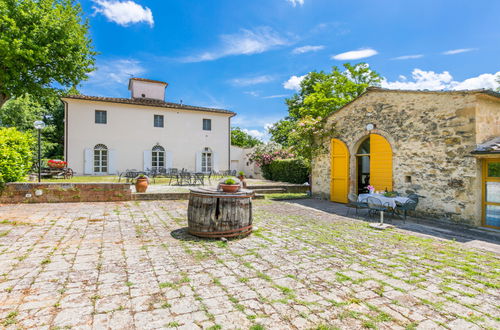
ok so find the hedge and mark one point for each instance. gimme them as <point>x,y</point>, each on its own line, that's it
<point>15,154</point>
<point>289,170</point>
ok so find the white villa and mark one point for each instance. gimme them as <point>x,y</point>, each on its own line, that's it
<point>104,135</point>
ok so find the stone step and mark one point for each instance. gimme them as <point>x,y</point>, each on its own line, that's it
<point>159,196</point>
<point>269,190</point>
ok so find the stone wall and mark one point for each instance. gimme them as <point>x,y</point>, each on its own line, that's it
<point>431,135</point>
<point>65,192</point>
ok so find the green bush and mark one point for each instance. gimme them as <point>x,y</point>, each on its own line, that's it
<point>289,170</point>
<point>15,154</point>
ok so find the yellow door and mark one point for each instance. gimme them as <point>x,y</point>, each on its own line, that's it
<point>380,163</point>
<point>491,193</point>
<point>339,182</point>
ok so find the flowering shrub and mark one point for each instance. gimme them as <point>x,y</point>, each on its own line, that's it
<point>55,163</point>
<point>265,154</point>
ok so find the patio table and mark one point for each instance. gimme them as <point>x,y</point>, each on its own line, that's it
<point>388,201</point>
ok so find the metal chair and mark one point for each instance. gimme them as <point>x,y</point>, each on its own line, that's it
<point>375,205</point>
<point>409,205</point>
<point>198,178</point>
<point>354,203</point>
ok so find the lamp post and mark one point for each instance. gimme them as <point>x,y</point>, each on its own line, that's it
<point>39,125</point>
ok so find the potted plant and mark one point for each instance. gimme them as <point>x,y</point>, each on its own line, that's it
<point>371,189</point>
<point>230,185</point>
<point>56,163</point>
<point>241,175</point>
<point>141,183</point>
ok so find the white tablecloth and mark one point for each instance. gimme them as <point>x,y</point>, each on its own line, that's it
<point>390,201</point>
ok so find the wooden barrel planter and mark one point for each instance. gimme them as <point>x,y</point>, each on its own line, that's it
<point>215,214</point>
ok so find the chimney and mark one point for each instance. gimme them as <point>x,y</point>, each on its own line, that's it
<point>141,88</point>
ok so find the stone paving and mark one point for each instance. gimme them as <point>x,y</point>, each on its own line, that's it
<point>132,265</point>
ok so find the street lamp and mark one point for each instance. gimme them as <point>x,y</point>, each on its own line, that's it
<point>39,125</point>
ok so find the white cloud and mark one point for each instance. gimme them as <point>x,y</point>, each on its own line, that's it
<point>255,133</point>
<point>408,57</point>
<point>355,54</point>
<point>246,42</point>
<point>458,51</point>
<point>252,80</point>
<point>296,2</point>
<point>124,12</point>
<point>275,96</point>
<point>486,80</point>
<point>293,83</point>
<point>111,77</point>
<point>442,81</point>
<point>252,93</point>
<point>306,49</point>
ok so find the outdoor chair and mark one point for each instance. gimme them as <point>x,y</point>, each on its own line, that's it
<point>198,178</point>
<point>409,205</point>
<point>354,204</point>
<point>375,205</point>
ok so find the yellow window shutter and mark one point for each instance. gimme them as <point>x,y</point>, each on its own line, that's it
<point>339,177</point>
<point>380,163</point>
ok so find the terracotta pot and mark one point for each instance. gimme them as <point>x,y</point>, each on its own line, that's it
<point>241,177</point>
<point>231,188</point>
<point>141,185</point>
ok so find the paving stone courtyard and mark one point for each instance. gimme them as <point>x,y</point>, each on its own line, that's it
<point>132,265</point>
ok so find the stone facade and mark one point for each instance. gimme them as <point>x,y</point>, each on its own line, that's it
<point>431,134</point>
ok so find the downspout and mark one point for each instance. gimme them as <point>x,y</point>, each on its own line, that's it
<point>229,146</point>
<point>65,130</point>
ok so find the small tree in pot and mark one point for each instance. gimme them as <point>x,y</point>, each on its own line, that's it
<point>229,185</point>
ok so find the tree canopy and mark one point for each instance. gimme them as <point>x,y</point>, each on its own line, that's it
<point>242,139</point>
<point>43,43</point>
<point>21,112</point>
<point>321,93</point>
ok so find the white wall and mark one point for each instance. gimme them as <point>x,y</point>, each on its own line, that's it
<point>129,132</point>
<point>149,89</point>
<point>240,161</point>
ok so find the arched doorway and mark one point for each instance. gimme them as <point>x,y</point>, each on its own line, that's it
<point>374,164</point>
<point>100,159</point>
<point>339,176</point>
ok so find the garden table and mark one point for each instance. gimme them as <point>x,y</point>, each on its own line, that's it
<point>387,201</point>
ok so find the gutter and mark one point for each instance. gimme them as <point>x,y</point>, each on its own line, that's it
<point>65,130</point>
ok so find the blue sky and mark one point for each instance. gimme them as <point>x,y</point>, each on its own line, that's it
<point>248,56</point>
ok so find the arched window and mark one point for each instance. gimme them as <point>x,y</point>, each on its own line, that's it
<point>100,159</point>
<point>207,160</point>
<point>157,157</point>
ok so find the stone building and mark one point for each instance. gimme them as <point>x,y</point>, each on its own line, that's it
<point>444,145</point>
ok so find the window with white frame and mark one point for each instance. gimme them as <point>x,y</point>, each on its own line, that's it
<point>100,159</point>
<point>206,160</point>
<point>101,117</point>
<point>157,157</point>
<point>158,121</point>
<point>207,124</point>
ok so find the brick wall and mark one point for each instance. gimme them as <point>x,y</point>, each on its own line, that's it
<point>64,192</point>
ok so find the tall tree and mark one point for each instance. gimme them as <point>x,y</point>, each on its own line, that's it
<point>43,43</point>
<point>242,139</point>
<point>320,94</point>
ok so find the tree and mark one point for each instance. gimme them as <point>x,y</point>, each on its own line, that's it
<point>15,154</point>
<point>320,94</point>
<point>21,112</point>
<point>43,43</point>
<point>242,139</point>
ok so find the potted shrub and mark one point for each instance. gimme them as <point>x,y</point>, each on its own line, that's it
<point>241,175</point>
<point>230,185</point>
<point>141,183</point>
